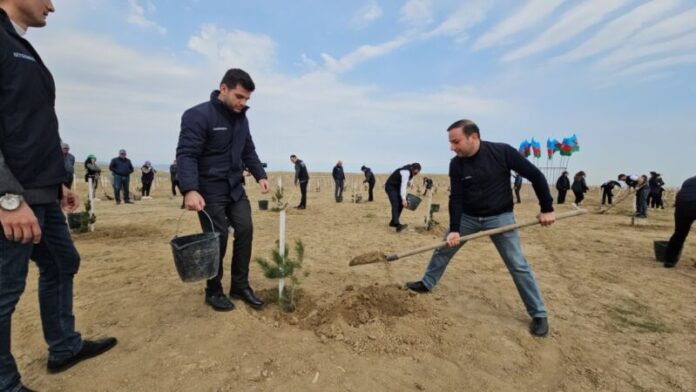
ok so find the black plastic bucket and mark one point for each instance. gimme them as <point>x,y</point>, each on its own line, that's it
<point>196,256</point>
<point>660,250</point>
<point>76,219</point>
<point>434,207</point>
<point>413,201</point>
<point>263,205</point>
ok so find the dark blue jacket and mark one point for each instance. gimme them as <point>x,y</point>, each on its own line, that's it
<point>687,193</point>
<point>121,166</point>
<point>214,147</point>
<point>338,174</point>
<point>29,141</point>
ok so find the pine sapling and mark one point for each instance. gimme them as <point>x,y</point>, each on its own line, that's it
<point>282,267</point>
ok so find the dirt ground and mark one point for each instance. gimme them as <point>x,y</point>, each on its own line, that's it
<point>619,320</point>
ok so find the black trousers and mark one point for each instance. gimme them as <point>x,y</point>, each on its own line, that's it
<point>562,195</point>
<point>238,215</point>
<point>303,192</point>
<point>579,197</point>
<point>394,196</point>
<point>338,193</point>
<point>370,188</point>
<point>684,216</point>
<point>517,194</point>
<point>145,191</point>
<point>175,184</point>
<point>607,196</point>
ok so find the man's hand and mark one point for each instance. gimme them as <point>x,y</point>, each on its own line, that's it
<point>21,225</point>
<point>452,239</point>
<point>546,218</point>
<point>194,201</point>
<point>263,184</point>
<point>70,201</point>
<point>404,203</point>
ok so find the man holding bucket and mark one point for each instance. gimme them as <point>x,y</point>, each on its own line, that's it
<point>215,146</point>
<point>396,188</point>
<point>480,199</point>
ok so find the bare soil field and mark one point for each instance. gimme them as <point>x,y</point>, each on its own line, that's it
<point>619,320</point>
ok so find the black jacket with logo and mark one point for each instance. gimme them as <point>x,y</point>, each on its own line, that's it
<point>214,147</point>
<point>31,159</point>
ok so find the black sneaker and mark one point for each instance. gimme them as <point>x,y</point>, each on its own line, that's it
<point>90,349</point>
<point>539,326</point>
<point>418,287</point>
<point>219,302</point>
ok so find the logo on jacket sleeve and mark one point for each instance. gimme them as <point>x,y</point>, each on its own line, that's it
<point>20,55</point>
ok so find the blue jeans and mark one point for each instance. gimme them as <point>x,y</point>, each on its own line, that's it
<point>509,248</point>
<point>642,201</point>
<point>121,182</point>
<point>58,261</point>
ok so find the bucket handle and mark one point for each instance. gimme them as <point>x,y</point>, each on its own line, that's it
<point>178,222</point>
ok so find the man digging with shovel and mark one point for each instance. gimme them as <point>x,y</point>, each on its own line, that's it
<point>481,199</point>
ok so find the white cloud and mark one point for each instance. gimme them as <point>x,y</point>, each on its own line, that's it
<point>570,25</point>
<point>463,18</point>
<point>367,14</point>
<point>630,54</point>
<point>417,12</point>
<point>136,16</point>
<point>654,65</point>
<point>362,54</point>
<point>617,31</point>
<point>528,16</point>
<point>676,25</point>
<point>236,48</point>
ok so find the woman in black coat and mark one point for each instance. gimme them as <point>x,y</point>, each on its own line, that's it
<point>579,187</point>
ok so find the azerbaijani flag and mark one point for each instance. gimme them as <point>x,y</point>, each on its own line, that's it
<point>536,147</point>
<point>575,146</point>
<point>552,145</point>
<point>525,148</point>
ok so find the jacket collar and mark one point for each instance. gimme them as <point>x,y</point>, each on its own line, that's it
<point>224,109</point>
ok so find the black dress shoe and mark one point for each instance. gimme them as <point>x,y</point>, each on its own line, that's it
<point>219,302</point>
<point>247,295</point>
<point>418,287</point>
<point>539,326</point>
<point>400,228</point>
<point>90,349</point>
<point>129,202</point>
<point>22,388</point>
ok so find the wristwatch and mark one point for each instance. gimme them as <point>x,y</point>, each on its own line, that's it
<point>10,202</point>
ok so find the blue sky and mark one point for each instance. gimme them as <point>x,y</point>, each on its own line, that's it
<point>378,82</point>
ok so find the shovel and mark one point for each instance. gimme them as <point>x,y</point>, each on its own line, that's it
<point>376,257</point>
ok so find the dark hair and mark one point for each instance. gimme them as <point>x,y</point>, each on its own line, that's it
<point>467,126</point>
<point>621,175</point>
<point>236,76</point>
<point>579,174</point>
<point>293,156</point>
<point>415,166</point>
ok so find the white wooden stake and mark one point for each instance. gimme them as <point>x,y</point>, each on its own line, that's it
<point>90,195</point>
<point>281,242</point>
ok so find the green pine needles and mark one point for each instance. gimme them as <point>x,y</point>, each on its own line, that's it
<point>277,197</point>
<point>281,268</point>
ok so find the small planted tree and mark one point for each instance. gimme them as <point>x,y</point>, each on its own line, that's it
<point>277,197</point>
<point>282,267</point>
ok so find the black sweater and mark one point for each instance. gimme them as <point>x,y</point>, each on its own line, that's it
<point>481,184</point>
<point>687,193</point>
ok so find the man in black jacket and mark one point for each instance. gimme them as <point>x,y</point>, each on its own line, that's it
<point>301,178</point>
<point>481,199</point>
<point>396,188</point>
<point>121,169</point>
<point>608,191</point>
<point>339,178</point>
<point>32,173</point>
<point>215,146</point>
<point>370,180</point>
<point>684,217</point>
<point>562,186</point>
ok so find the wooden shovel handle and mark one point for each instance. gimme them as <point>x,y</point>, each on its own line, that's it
<point>485,233</point>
